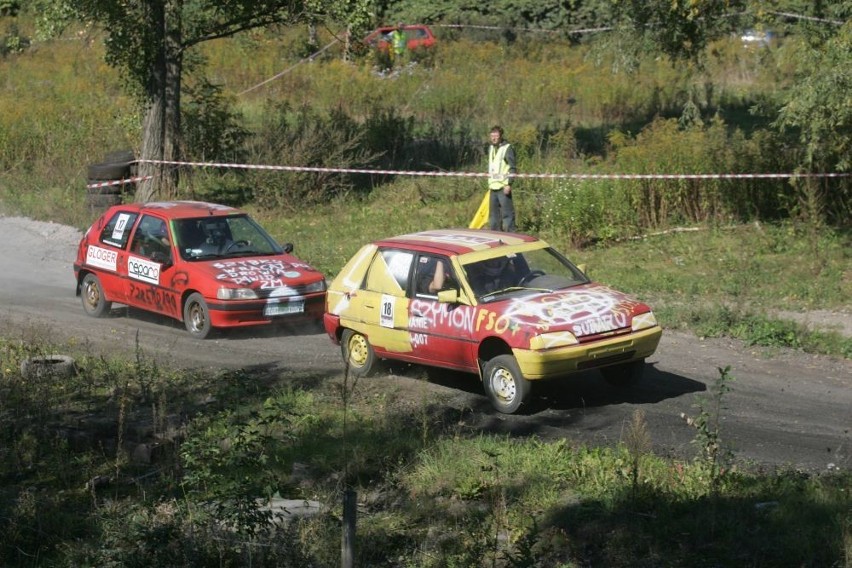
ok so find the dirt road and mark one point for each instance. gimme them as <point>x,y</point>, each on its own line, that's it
<point>787,409</point>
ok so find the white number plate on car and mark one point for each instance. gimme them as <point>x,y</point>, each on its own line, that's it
<point>281,309</point>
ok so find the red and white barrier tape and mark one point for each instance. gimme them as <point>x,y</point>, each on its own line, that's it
<point>484,174</point>
<point>117,182</point>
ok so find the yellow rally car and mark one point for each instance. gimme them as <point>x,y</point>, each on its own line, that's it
<point>505,306</point>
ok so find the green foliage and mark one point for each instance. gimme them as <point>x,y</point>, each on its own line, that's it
<point>716,456</point>
<point>12,41</point>
<point>212,130</point>
<point>229,464</point>
<point>305,137</point>
<point>9,7</point>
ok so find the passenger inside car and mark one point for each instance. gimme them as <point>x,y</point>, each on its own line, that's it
<point>431,275</point>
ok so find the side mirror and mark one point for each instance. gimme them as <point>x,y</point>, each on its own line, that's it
<point>582,268</point>
<point>288,248</point>
<point>452,296</point>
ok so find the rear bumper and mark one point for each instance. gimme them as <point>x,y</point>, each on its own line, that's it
<point>331,322</point>
<point>545,364</point>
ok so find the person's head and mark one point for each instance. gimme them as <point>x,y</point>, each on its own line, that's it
<point>496,134</point>
<point>399,26</point>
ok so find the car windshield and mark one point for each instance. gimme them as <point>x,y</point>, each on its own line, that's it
<point>540,270</point>
<point>222,237</point>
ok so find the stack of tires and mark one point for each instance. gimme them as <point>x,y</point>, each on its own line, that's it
<point>117,166</point>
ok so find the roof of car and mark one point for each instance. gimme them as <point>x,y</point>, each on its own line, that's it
<point>182,209</point>
<point>456,241</point>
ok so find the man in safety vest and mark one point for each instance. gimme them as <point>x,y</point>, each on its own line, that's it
<point>398,45</point>
<point>501,167</point>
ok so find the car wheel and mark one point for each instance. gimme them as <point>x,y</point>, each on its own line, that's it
<point>108,171</point>
<point>92,293</point>
<point>58,366</point>
<point>506,387</point>
<point>624,374</point>
<point>196,316</point>
<point>357,353</point>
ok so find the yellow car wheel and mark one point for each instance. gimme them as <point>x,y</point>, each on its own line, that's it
<point>358,354</point>
<point>506,387</point>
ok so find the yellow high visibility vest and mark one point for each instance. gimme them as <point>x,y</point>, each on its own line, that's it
<point>498,169</point>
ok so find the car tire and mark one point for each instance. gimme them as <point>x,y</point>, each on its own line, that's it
<point>108,171</point>
<point>196,316</point>
<point>56,366</point>
<point>358,354</point>
<point>95,303</point>
<point>505,386</point>
<point>624,374</point>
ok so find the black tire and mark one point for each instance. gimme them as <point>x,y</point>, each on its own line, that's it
<point>196,316</point>
<point>624,374</point>
<point>95,303</point>
<point>108,171</point>
<point>357,353</point>
<point>506,387</point>
<point>123,157</point>
<point>58,366</point>
<point>120,156</point>
<point>102,201</point>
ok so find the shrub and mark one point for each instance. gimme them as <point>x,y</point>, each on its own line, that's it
<point>305,137</point>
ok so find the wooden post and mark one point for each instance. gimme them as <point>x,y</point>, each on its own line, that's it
<point>350,513</point>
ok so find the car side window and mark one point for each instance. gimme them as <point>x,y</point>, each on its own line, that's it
<point>433,274</point>
<point>389,272</point>
<point>117,231</point>
<point>151,239</point>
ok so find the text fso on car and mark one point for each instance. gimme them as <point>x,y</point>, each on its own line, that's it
<point>208,265</point>
<point>510,308</point>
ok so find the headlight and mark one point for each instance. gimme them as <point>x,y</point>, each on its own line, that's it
<point>644,321</point>
<point>318,286</point>
<point>236,294</point>
<point>553,339</point>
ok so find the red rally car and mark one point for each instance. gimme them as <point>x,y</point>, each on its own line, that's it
<point>210,266</point>
<point>505,306</point>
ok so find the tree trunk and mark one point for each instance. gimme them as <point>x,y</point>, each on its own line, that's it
<point>161,126</point>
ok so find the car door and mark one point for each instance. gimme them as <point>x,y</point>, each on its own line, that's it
<point>150,266</point>
<point>106,253</point>
<point>441,333</point>
<point>381,305</point>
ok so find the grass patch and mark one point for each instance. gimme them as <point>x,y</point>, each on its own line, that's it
<point>78,489</point>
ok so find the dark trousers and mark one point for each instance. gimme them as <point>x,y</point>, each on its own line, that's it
<point>501,208</point>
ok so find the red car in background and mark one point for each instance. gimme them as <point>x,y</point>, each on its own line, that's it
<point>418,36</point>
<point>209,266</point>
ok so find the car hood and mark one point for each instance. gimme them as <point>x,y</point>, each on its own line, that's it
<point>278,272</point>
<point>586,310</point>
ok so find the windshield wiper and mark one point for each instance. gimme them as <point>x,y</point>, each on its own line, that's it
<point>491,295</point>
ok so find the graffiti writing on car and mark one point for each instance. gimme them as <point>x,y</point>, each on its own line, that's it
<point>469,240</point>
<point>586,312</point>
<point>267,274</point>
<point>429,314</point>
<point>418,339</point>
<point>154,298</point>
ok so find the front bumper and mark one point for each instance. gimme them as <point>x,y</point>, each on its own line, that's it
<point>549,363</point>
<point>258,312</point>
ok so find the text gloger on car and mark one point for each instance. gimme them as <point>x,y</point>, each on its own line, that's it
<point>210,266</point>
<point>505,306</point>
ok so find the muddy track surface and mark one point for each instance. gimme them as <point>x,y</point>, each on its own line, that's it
<point>787,409</point>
